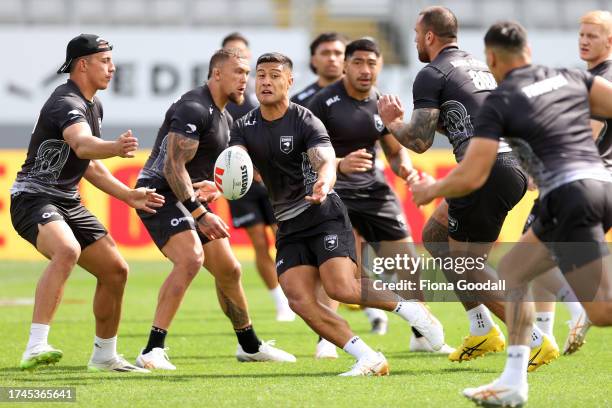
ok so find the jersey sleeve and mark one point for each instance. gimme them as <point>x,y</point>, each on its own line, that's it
<point>583,76</point>
<point>68,111</point>
<point>490,121</point>
<point>427,88</point>
<point>237,134</point>
<point>190,119</point>
<point>315,133</point>
<point>317,106</point>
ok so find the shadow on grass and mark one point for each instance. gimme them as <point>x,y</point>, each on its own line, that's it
<point>88,379</point>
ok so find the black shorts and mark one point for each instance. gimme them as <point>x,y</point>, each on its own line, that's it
<point>169,220</point>
<point>29,210</point>
<point>320,233</point>
<point>573,220</point>
<point>252,209</point>
<point>375,213</point>
<point>479,216</point>
<point>532,215</point>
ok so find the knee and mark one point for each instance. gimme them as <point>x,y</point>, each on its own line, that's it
<point>601,314</point>
<point>119,273</point>
<point>67,255</point>
<point>189,265</point>
<point>348,293</point>
<point>230,274</point>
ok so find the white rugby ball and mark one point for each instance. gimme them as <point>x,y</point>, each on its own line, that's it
<point>233,172</point>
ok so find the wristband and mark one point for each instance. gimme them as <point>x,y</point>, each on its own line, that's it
<point>194,207</point>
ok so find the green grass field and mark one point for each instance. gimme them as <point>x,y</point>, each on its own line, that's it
<point>202,345</point>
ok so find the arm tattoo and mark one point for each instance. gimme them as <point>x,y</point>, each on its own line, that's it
<point>180,151</point>
<point>418,135</point>
<point>237,316</point>
<point>319,155</point>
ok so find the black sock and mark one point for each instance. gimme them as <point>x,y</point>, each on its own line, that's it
<point>157,338</point>
<point>320,338</point>
<point>417,334</point>
<point>248,339</point>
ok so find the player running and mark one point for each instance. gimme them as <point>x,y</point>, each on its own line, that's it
<point>253,211</point>
<point>448,94</point>
<point>46,207</point>
<point>348,110</point>
<point>194,132</point>
<point>595,47</point>
<point>315,244</point>
<point>545,115</point>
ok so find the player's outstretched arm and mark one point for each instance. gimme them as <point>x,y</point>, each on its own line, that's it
<point>398,159</point>
<point>86,146</point>
<point>140,198</point>
<point>323,161</point>
<point>469,175</point>
<point>600,97</point>
<point>418,134</point>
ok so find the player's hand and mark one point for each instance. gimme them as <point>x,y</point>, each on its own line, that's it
<point>319,192</point>
<point>206,191</point>
<point>213,226</point>
<point>126,144</point>
<point>145,199</point>
<point>409,174</point>
<point>421,190</point>
<point>358,161</point>
<point>390,109</point>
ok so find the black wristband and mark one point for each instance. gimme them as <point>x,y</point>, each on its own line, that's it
<point>199,217</point>
<point>191,204</point>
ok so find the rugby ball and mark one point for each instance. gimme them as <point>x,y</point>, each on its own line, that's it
<point>233,172</point>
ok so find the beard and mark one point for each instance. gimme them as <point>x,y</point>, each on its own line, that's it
<point>423,57</point>
<point>236,98</point>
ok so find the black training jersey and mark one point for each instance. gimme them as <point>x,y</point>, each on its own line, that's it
<point>352,125</point>
<point>193,115</point>
<point>457,84</point>
<point>544,114</point>
<point>305,95</point>
<point>604,139</point>
<point>51,166</point>
<point>279,152</point>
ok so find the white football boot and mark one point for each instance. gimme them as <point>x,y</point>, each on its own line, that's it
<point>155,359</point>
<point>266,353</point>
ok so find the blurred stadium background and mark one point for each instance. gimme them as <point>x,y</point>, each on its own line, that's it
<point>162,49</point>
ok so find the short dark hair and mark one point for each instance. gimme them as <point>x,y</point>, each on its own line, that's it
<point>362,44</point>
<point>507,35</point>
<point>222,55</point>
<point>441,21</point>
<point>275,57</point>
<point>323,38</point>
<point>235,36</point>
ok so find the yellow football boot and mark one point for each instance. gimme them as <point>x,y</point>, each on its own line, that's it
<point>477,346</point>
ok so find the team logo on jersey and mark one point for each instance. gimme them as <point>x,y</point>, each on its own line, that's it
<point>286,144</point>
<point>378,123</point>
<point>330,242</point>
<point>51,157</point>
<point>453,224</point>
<point>73,114</point>
<point>190,128</point>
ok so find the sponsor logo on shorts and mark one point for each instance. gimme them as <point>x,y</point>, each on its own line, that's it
<point>47,215</point>
<point>280,262</point>
<point>330,242</point>
<point>286,144</point>
<point>244,218</point>
<point>176,221</point>
<point>453,224</point>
